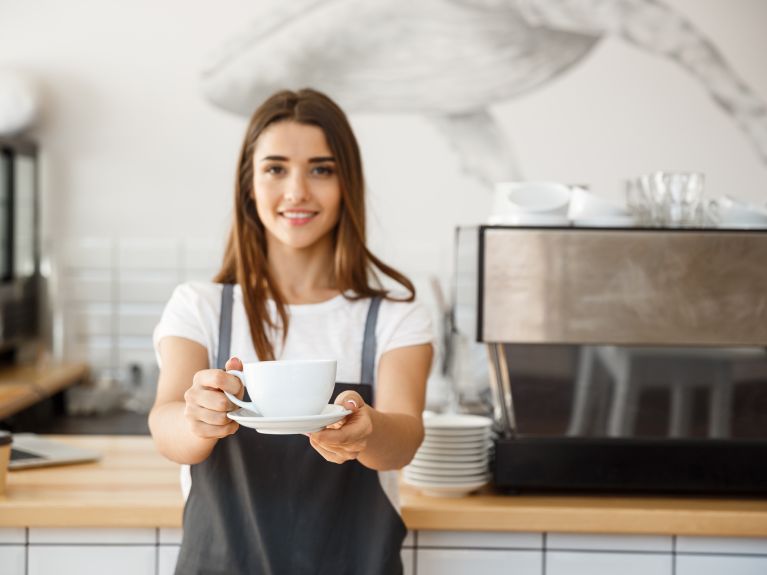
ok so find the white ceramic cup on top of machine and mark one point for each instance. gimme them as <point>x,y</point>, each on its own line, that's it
<point>287,388</point>
<point>530,203</point>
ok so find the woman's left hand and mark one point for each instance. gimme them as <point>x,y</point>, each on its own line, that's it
<point>345,439</point>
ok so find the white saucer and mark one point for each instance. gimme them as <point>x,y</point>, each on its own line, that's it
<point>447,474</point>
<point>457,434</point>
<point>445,478</point>
<point>456,440</point>
<point>450,457</point>
<point>472,450</point>
<point>420,464</point>
<point>441,490</point>
<point>476,444</point>
<point>456,422</point>
<point>289,425</point>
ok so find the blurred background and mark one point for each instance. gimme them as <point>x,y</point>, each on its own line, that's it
<point>139,112</point>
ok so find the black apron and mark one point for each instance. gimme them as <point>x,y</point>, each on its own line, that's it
<point>270,504</point>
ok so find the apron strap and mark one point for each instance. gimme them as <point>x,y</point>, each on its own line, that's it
<point>225,326</point>
<point>368,373</point>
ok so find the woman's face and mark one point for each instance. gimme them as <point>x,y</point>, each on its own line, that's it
<point>296,185</point>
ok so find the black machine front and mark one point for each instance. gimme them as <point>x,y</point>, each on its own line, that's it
<point>636,420</point>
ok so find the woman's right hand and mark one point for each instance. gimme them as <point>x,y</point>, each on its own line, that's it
<point>207,406</point>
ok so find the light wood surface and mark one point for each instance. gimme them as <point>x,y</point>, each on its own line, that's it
<point>25,385</point>
<point>488,511</point>
<point>133,486</point>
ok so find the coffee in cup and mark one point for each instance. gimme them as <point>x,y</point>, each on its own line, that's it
<point>287,388</point>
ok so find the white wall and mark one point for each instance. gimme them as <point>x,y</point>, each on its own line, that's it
<point>133,152</point>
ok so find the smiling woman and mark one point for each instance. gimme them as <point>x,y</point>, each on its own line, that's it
<point>297,283</point>
<point>298,196</point>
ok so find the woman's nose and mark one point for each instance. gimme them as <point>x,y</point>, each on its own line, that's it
<point>297,189</point>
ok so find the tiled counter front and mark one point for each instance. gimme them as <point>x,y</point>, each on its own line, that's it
<point>48,551</point>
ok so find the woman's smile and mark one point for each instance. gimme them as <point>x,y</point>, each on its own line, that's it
<point>298,217</point>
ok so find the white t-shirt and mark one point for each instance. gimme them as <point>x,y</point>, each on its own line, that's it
<point>333,329</point>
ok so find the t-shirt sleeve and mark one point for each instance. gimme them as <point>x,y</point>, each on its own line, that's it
<point>184,316</point>
<point>404,324</point>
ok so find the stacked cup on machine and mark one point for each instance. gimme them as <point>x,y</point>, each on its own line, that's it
<point>453,459</point>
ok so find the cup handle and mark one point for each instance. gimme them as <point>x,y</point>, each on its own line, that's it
<point>246,404</point>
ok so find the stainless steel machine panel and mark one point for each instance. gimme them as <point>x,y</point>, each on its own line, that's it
<point>622,287</point>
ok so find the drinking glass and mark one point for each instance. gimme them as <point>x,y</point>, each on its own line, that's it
<point>682,198</point>
<point>668,200</point>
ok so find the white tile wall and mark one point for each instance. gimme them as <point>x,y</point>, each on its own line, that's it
<point>201,275</point>
<point>201,254</point>
<point>592,563</point>
<point>480,539</point>
<point>98,351</point>
<point>720,565</point>
<point>146,287</point>
<point>87,536</point>
<point>148,253</point>
<point>12,560</point>
<point>13,535</point>
<point>408,556</point>
<point>137,324</point>
<point>136,342</point>
<point>745,545</point>
<point>85,253</point>
<point>167,555</point>
<point>577,541</point>
<point>87,287</point>
<point>155,551</point>
<point>169,535</point>
<point>77,560</point>
<point>143,357</point>
<point>117,287</point>
<point>475,561</point>
<point>89,320</point>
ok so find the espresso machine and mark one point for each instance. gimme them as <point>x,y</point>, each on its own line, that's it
<point>628,360</point>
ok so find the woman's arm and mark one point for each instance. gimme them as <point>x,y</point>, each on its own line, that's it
<point>189,412</point>
<point>388,436</point>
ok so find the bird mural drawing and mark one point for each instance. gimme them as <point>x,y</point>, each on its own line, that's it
<point>451,60</point>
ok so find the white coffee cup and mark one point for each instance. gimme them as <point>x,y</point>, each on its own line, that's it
<point>550,198</point>
<point>287,388</point>
<point>584,204</point>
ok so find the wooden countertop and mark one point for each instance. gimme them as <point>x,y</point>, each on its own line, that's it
<point>25,385</point>
<point>133,486</point>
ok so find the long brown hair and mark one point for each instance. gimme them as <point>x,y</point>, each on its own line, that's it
<point>245,260</point>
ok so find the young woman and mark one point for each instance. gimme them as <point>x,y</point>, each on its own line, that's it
<point>305,286</point>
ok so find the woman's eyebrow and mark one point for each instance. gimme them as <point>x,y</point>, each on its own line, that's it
<point>316,160</point>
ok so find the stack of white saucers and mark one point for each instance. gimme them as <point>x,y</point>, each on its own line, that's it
<point>453,458</point>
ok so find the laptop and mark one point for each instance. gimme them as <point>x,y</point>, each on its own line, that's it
<point>31,450</point>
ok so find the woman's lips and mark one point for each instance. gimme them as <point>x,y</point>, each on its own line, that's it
<point>298,218</point>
